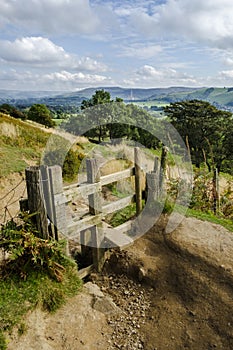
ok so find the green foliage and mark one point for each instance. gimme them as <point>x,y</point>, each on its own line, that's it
<point>3,344</point>
<point>25,143</point>
<point>70,165</point>
<point>41,114</point>
<point>110,120</point>
<point>12,111</point>
<point>100,97</point>
<point>122,215</point>
<point>37,273</point>
<point>209,216</point>
<point>206,130</point>
<point>202,190</point>
<point>27,251</point>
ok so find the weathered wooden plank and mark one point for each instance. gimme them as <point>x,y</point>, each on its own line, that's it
<point>116,238</point>
<point>83,224</point>
<point>98,251</point>
<point>59,208</point>
<point>125,227</point>
<point>36,202</point>
<point>60,199</point>
<point>70,187</point>
<point>93,176</point>
<point>84,190</point>
<point>85,271</point>
<point>138,179</point>
<point>152,184</point>
<point>163,167</point>
<point>117,205</point>
<point>48,197</point>
<point>107,179</point>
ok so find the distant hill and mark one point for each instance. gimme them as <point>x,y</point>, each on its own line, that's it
<point>220,97</point>
<point>127,94</point>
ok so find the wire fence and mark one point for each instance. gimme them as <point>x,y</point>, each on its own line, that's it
<point>9,202</point>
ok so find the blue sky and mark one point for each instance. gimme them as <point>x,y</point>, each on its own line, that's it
<point>73,44</point>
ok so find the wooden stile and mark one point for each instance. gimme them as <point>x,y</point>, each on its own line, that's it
<point>48,199</point>
<point>138,180</point>
<point>58,210</point>
<point>97,236</point>
<point>36,203</point>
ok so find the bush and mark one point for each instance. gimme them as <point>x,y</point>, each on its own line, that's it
<point>71,164</point>
<point>29,252</point>
<point>36,273</point>
<point>41,114</point>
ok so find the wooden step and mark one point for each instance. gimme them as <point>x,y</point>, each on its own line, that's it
<point>116,238</point>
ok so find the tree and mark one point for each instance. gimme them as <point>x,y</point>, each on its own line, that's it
<point>204,128</point>
<point>13,111</point>
<point>113,119</point>
<point>99,116</point>
<point>100,97</point>
<point>41,114</point>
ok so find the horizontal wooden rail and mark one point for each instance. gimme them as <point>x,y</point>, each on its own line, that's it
<point>83,224</point>
<point>120,175</point>
<point>90,220</point>
<point>85,188</point>
<point>118,205</point>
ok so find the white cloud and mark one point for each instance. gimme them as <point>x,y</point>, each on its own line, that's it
<point>226,74</point>
<point>50,16</point>
<point>209,21</point>
<point>41,52</point>
<point>60,80</point>
<point>140,51</point>
<point>149,76</point>
<point>65,76</point>
<point>32,50</point>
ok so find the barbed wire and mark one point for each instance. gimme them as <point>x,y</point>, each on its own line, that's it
<point>13,189</point>
<point>7,213</point>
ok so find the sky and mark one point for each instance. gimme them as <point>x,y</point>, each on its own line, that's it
<point>67,45</point>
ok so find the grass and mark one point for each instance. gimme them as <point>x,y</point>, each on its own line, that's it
<point>198,214</point>
<point>36,273</point>
<point>12,159</point>
<point>19,143</point>
<point>122,215</point>
<point>17,297</point>
<point>208,216</point>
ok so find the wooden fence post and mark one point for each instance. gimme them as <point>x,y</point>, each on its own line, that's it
<point>216,192</point>
<point>97,236</point>
<point>156,165</point>
<point>48,198</point>
<point>163,165</point>
<point>36,202</point>
<point>58,200</point>
<point>138,180</point>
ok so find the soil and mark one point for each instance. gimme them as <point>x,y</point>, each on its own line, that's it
<point>163,292</point>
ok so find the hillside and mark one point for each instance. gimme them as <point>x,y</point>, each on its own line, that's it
<point>21,144</point>
<point>221,97</point>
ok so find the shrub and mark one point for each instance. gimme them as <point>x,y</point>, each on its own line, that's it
<point>29,252</point>
<point>71,164</point>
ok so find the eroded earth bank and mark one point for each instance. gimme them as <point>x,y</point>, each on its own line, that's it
<point>166,291</point>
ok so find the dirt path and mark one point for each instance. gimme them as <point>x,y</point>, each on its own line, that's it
<point>164,292</point>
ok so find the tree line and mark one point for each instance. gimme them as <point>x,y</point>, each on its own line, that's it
<point>39,113</point>
<point>206,130</point>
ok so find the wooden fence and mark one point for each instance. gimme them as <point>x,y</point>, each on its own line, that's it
<point>48,200</point>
